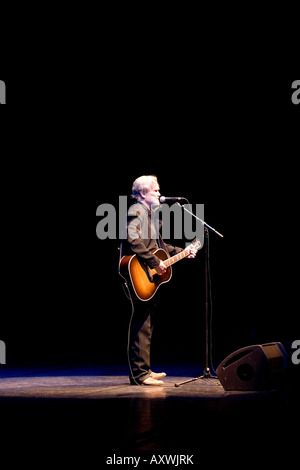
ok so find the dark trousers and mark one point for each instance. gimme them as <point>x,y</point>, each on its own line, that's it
<point>139,344</point>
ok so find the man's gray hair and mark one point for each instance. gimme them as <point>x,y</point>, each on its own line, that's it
<point>142,185</point>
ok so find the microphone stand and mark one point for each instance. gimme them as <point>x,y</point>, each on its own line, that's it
<point>206,372</point>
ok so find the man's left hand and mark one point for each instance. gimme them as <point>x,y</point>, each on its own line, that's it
<point>192,253</point>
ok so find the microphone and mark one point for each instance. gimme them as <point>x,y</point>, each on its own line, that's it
<point>165,199</point>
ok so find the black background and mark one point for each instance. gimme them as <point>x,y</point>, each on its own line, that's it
<point>226,141</point>
<point>84,117</point>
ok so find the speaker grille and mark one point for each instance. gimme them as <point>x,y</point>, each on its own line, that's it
<point>245,372</point>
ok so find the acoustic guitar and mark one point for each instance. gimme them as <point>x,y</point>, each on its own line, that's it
<point>144,280</point>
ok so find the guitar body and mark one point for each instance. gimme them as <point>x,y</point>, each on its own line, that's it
<point>144,280</point>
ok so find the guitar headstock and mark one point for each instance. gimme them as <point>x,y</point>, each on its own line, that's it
<point>195,245</point>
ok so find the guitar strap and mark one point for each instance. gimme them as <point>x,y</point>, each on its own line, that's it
<point>120,253</point>
<point>162,245</point>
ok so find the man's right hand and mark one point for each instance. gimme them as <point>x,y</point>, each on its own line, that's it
<point>161,268</point>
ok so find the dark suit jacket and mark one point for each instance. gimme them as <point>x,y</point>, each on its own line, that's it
<point>143,235</point>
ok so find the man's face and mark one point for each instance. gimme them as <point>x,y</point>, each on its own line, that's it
<point>152,196</point>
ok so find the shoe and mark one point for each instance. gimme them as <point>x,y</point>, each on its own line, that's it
<point>151,381</point>
<point>157,375</point>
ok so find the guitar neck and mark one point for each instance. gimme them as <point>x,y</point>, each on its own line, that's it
<point>183,254</point>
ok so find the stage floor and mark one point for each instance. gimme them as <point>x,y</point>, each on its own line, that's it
<point>97,408</point>
<point>75,385</point>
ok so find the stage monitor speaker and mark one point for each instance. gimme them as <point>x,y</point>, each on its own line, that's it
<point>257,367</point>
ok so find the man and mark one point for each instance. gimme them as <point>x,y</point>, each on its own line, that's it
<point>142,237</point>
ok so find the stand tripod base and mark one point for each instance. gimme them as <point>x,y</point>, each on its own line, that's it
<point>206,375</point>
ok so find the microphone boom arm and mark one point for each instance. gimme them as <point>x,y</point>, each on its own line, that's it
<point>200,220</point>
